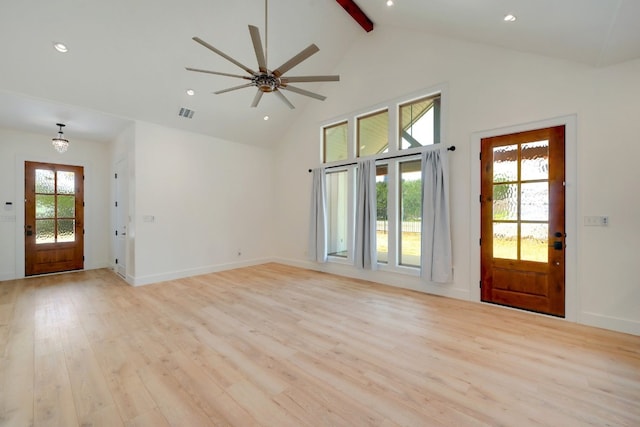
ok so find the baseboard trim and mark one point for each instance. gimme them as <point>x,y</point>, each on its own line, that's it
<point>397,280</point>
<point>180,274</point>
<point>7,276</point>
<point>612,323</point>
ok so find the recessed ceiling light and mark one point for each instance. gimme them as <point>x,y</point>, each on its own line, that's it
<point>389,3</point>
<point>61,47</point>
<point>191,92</point>
<point>265,118</point>
<point>510,18</point>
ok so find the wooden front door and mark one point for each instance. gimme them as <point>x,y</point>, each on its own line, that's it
<point>54,218</point>
<point>523,220</point>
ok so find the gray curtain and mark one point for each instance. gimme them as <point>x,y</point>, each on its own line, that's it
<point>436,230</point>
<point>365,252</point>
<point>318,218</point>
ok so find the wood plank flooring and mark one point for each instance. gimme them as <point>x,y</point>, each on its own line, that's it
<point>274,345</point>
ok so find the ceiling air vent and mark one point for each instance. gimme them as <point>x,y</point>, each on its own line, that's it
<point>185,112</point>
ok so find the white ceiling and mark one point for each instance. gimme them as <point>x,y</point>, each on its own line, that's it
<point>127,57</point>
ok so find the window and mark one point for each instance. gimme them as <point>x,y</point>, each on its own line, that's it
<point>420,123</point>
<point>338,214</point>
<point>410,219</point>
<point>393,134</point>
<point>382,214</point>
<point>373,134</point>
<point>335,142</point>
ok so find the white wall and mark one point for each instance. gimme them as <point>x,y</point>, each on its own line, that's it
<point>210,199</point>
<point>211,202</point>
<point>15,148</point>
<point>491,88</point>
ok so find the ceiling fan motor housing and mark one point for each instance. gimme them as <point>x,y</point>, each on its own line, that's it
<point>266,82</point>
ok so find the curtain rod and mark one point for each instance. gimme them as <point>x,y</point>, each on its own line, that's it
<point>451,148</point>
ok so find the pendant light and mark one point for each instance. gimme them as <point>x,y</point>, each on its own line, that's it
<point>59,142</point>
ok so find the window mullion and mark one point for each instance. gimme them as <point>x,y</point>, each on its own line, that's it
<point>394,131</point>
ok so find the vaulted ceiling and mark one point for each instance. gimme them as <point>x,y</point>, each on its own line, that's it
<point>127,59</point>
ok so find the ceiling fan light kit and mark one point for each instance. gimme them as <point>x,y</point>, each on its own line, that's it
<point>266,80</point>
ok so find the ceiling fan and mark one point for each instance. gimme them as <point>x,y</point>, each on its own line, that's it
<point>265,79</point>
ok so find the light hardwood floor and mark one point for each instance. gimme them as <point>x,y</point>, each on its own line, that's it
<point>274,345</point>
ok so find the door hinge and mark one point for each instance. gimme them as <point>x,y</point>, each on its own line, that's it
<point>83,204</point>
<point>116,260</point>
<point>480,241</point>
<point>116,232</point>
<point>83,257</point>
<point>480,198</point>
<point>116,175</point>
<point>116,204</point>
<point>83,231</point>
<point>480,155</point>
<point>480,284</point>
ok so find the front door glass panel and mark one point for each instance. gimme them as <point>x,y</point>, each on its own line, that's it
<point>521,201</point>
<point>55,206</point>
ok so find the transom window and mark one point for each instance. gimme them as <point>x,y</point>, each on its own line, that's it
<point>420,123</point>
<point>335,146</point>
<point>373,134</point>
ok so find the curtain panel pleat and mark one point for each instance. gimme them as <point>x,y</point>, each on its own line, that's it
<point>365,253</point>
<point>436,263</point>
<point>318,217</point>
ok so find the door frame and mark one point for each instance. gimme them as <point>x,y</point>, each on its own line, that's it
<point>572,295</point>
<point>120,167</point>
<point>20,209</point>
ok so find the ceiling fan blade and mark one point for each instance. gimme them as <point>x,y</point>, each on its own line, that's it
<point>233,88</point>
<point>217,73</point>
<point>257,98</point>
<point>303,92</point>
<point>306,79</point>
<point>304,54</point>
<point>284,99</point>
<point>224,55</point>
<point>257,46</point>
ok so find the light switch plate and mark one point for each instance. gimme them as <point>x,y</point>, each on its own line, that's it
<point>596,221</point>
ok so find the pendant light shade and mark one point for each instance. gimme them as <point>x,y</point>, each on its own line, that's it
<point>59,142</point>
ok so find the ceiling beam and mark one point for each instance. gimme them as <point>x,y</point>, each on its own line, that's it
<point>356,13</point>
